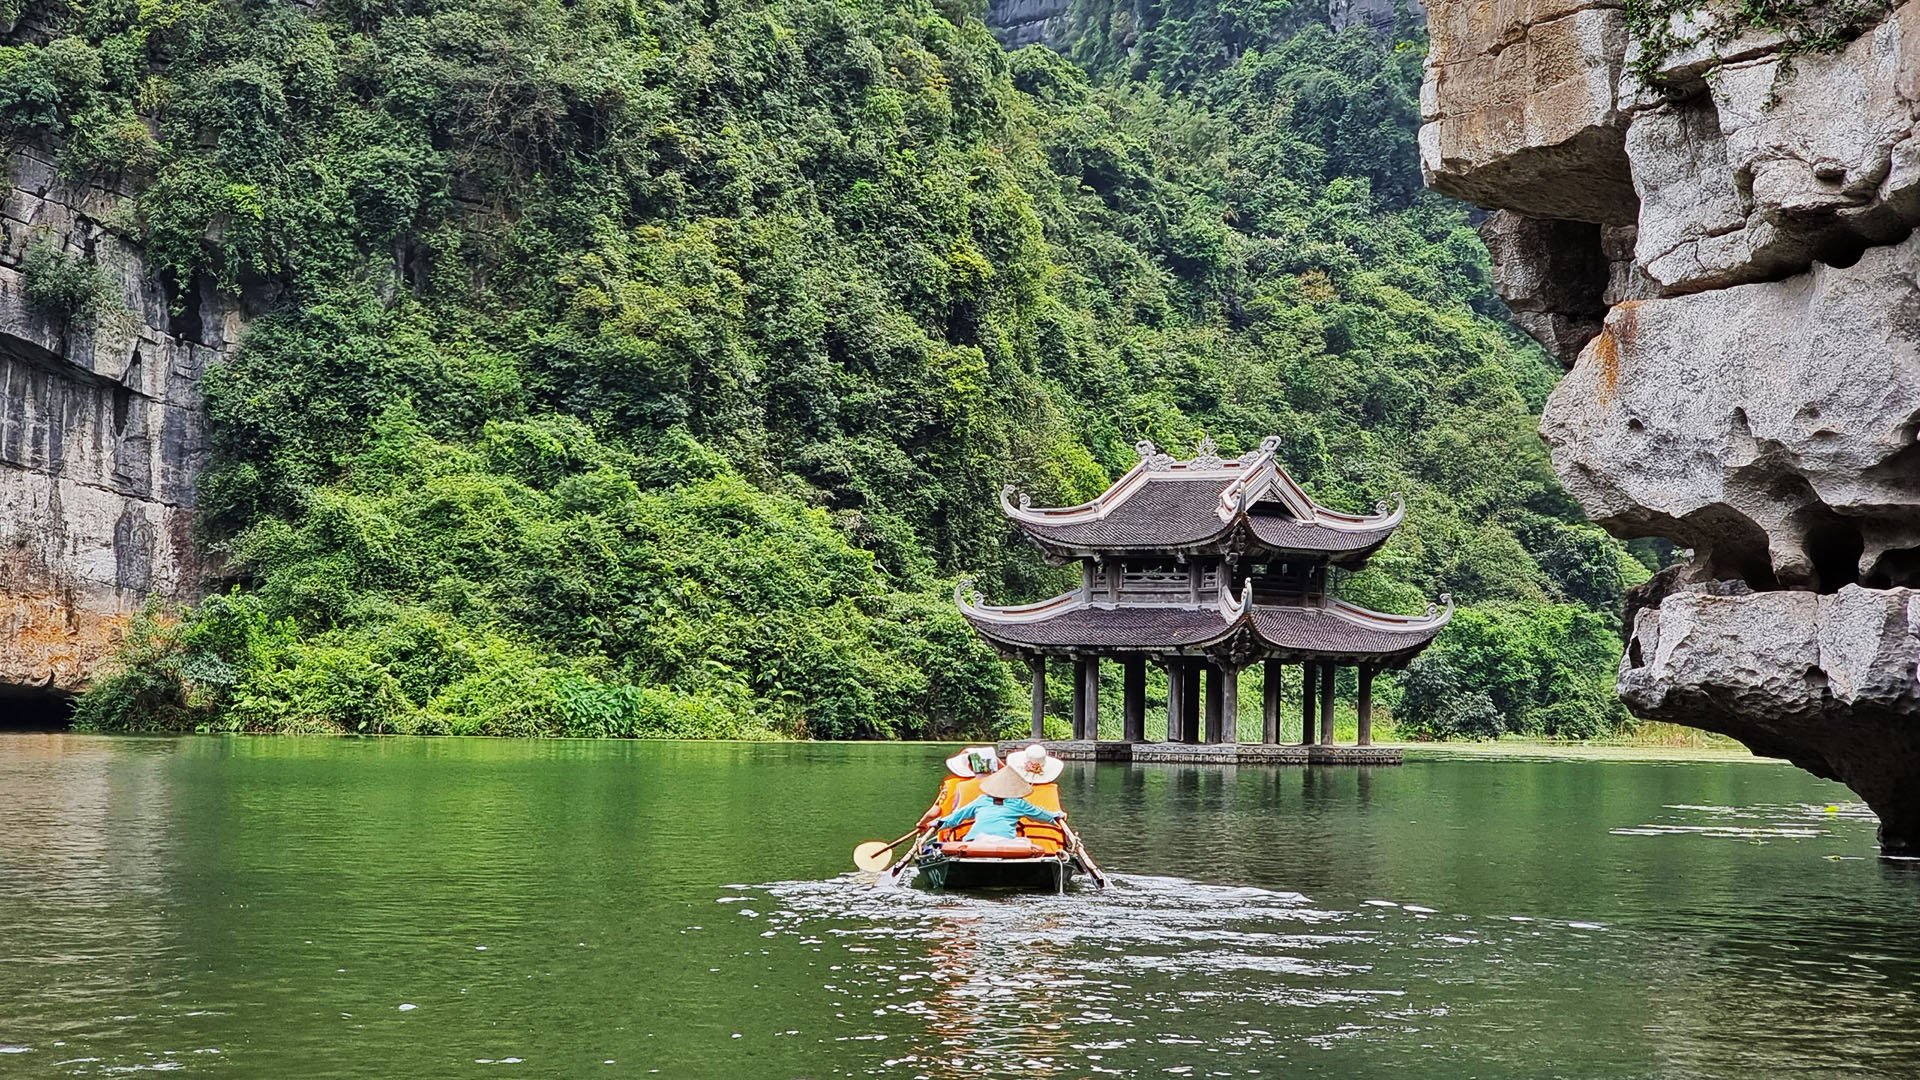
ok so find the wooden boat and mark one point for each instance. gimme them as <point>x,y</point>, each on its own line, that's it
<point>961,865</point>
<point>1044,856</point>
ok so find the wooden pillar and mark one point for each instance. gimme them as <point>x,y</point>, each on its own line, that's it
<point>1190,705</point>
<point>1090,697</point>
<point>1216,694</point>
<point>1076,715</point>
<point>1038,665</point>
<point>1364,705</point>
<point>1133,701</point>
<point>1275,683</point>
<point>1326,704</point>
<point>1229,704</point>
<point>1308,671</point>
<point>1176,697</point>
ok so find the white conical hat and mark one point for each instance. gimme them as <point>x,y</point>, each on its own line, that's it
<point>1036,765</point>
<point>964,763</point>
<point>1006,784</point>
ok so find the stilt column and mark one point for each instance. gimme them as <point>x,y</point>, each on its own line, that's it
<point>1038,666</point>
<point>1190,704</point>
<point>1133,701</point>
<point>1216,701</point>
<point>1176,697</point>
<point>1326,704</point>
<point>1308,679</point>
<point>1089,674</point>
<point>1229,704</point>
<point>1272,686</point>
<point>1364,704</point>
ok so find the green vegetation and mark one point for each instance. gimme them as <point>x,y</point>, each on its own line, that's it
<point>1806,27</point>
<point>651,367</point>
<point>61,285</point>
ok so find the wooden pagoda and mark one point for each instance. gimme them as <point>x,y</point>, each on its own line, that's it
<point>1204,567</point>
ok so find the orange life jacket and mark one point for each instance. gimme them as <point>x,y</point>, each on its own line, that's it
<point>1047,838</point>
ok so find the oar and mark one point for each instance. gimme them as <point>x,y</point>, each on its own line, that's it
<point>874,856</point>
<point>918,840</point>
<point>1080,848</point>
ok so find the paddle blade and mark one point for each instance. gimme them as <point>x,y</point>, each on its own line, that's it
<point>873,856</point>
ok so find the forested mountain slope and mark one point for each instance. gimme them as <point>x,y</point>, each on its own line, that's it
<point>652,367</point>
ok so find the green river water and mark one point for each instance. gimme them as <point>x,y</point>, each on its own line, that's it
<point>257,907</point>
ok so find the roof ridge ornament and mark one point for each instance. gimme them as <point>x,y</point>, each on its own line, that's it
<point>1231,606</point>
<point>1206,455</point>
<point>1266,449</point>
<point>1008,492</point>
<point>966,594</point>
<point>1152,457</point>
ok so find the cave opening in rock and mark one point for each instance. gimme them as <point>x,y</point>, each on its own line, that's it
<point>34,708</point>
<point>1896,568</point>
<point>1834,549</point>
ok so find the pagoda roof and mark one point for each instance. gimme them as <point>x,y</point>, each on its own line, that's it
<point>1201,504</point>
<point>1226,626</point>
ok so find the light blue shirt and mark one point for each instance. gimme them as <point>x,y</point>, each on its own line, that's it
<point>993,817</point>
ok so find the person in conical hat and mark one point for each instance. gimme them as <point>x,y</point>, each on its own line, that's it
<point>998,810</point>
<point>1036,765</point>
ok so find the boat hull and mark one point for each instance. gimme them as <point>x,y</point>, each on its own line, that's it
<point>1049,873</point>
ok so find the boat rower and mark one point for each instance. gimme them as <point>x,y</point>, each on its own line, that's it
<point>1000,807</point>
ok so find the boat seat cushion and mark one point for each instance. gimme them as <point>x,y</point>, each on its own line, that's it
<point>993,847</point>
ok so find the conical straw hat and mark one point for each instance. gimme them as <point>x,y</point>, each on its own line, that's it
<point>1006,784</point>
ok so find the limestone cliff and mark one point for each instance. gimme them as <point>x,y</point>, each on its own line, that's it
<point>101,434</point>
<point>1723,255</point>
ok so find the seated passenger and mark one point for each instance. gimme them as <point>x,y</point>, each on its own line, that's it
<point>1036,765</point>
<point>965,765</point>
<point>998,810</point>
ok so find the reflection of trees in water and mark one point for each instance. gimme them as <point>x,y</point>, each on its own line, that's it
<point>85,861</point>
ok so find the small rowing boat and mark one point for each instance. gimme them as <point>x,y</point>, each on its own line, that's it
<point>993,864</point>
<point>1044,854</point>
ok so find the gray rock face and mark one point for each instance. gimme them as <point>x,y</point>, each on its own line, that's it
<point>101,437</point>
<point>1028,22</point>
<point>1826,681</point>
<point>1519,107</point>
<point>1754,172</point>
<point>1772,427</point>
<point>1753,390</point>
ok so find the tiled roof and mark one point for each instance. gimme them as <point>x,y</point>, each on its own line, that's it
<point>1115,628</point>
<point>1287,534</point>
<point>1178,512</point>
<point>1283,630</point>
<point>1163,513</point>
<point>1308,629</point>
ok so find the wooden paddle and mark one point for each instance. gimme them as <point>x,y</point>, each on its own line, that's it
<point>918,840</point>
<point>874,856</point>
<point>1098,875</point>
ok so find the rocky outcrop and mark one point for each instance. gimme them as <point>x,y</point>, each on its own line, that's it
<point>1029,22</point>
<point>1054,23</point>
<point>1753,387</point>
<point>1826,681</point>
<point>101,435</point>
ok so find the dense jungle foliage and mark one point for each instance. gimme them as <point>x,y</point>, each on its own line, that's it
<point>651,367</point>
